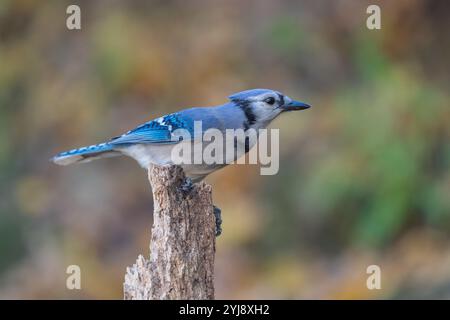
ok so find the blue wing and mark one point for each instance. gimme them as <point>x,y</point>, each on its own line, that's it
<point>156,131</point>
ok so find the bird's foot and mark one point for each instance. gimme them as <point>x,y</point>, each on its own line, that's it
<point>218,215</point>
<point>187,185</point>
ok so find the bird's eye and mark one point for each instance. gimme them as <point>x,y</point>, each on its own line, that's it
<point>270,100</point>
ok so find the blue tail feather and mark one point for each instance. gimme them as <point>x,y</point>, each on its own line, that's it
<point>85,154</point>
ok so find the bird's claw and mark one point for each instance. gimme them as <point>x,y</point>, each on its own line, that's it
<point>218,215</point>
<point>187,185</point>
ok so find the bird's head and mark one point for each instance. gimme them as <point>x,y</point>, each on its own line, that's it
<point>263,105</point>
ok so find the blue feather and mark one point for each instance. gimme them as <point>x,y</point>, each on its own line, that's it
<point>156,131</point>
<point>243,95</point>
<point>84,154</point>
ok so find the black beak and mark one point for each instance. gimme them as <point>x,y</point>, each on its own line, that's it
<point>295,105</point>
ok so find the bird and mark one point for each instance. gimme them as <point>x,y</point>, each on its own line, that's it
<point>152,143</point>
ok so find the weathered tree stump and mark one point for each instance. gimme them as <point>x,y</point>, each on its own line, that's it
<point>182,246</point>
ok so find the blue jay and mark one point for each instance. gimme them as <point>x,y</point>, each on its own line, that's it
<point>152,142</point>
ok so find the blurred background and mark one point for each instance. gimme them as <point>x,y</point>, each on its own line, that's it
<point>364,175</point>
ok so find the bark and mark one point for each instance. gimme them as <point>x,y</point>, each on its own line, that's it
<point>182,246</point>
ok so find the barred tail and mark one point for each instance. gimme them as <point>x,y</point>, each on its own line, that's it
<point>85,154</point>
